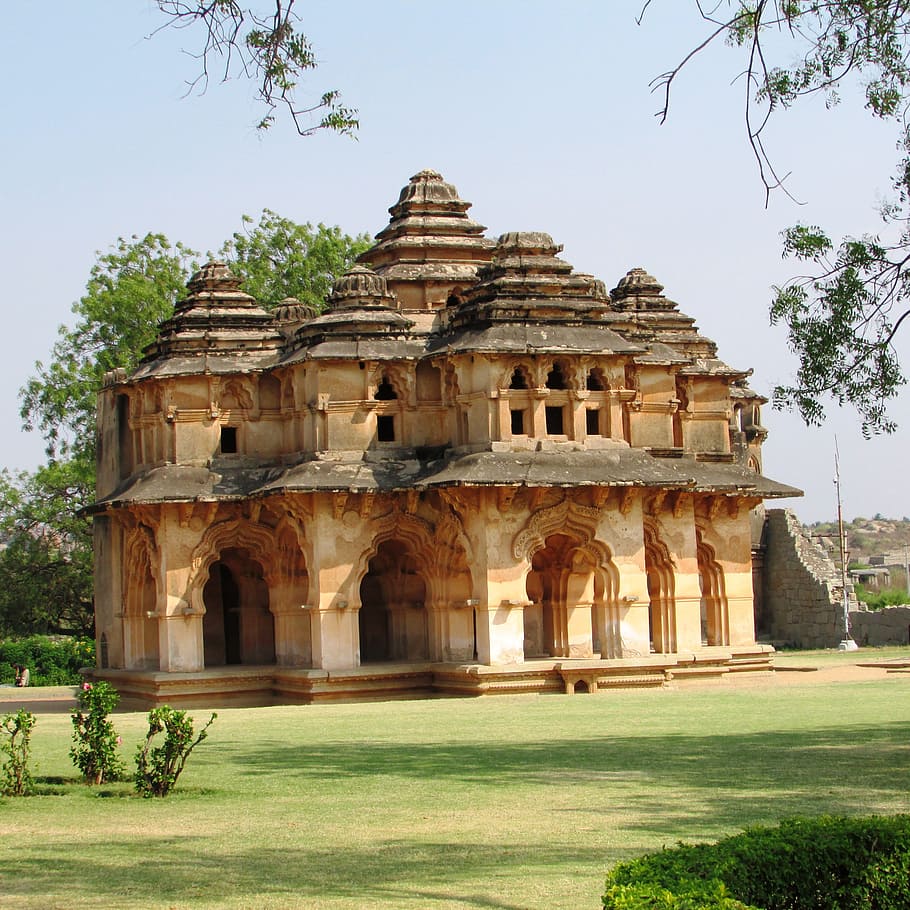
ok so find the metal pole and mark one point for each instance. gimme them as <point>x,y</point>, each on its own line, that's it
<point>847,644</point>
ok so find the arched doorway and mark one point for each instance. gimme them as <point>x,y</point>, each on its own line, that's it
<point>393,617</point>
<point>140,619</point>
<point>661,593</point>
<point>714,619</point>
<point>238,627</point>
<point>140,614</point>
<point>561,591</point>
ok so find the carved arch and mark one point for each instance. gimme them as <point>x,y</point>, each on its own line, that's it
<point>714,611</point>
<point>661,575</point>
<point>232,534</point>
<point>142,585</point>
<point>395,376</point>
<point>565,517</point>
<point>517,376</point>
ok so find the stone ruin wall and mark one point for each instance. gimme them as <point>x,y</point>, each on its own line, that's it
<point>888,626</point>
<point>802,594</point>
<point>802,590</point>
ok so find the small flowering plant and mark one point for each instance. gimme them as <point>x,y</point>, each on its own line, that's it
<point>15,777</point>
<point>158,767</point>
<point>95,741</point>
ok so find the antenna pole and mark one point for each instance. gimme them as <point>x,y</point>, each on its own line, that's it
<point>847,644</point>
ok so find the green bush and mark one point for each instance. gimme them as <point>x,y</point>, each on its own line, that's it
<point>802,864</point>
<point>51,660</point>
<point>95,741</point>
<point>158,768</point>
<point>876,600</point>
<point>692,896</point>
<point>15,777</point>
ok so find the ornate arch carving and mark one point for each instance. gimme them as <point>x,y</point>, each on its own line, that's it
<point>140,550</point>
<point>566,517</point>
<point>233,534</point>
<point>396,376</point>
<point>522,370</point>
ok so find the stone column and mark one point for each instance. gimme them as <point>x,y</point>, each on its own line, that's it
<point>500,633</point>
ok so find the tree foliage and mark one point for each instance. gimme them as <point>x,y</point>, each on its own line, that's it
<point>46,557</point>
<point>260,42</point>
<point>131,289</point>
<point>278,258</point>
<point>842,317</point>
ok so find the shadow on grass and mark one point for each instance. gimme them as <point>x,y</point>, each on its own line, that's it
<point>180,870</point>
<point>781,773</point>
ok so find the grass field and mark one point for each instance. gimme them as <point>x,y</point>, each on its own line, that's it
<point>498,803</point>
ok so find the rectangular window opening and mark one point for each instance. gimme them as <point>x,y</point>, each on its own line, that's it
<point>385,427</point>
<point>518,422</point>
<point>592,422</point>
<point>228,440</point>
<point>554,421</point>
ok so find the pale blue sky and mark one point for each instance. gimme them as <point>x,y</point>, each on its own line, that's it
<point>541,116</point>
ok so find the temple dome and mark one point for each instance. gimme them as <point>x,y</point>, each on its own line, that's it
<point>637,282</point>
<point>360,287</point>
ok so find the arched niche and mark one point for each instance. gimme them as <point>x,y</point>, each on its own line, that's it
<point>140,618</point>
<point>715,622</point>
<point>238,627</point>
<point>661,577</point>
<point>392,620</point>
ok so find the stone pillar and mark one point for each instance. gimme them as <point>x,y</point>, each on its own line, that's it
<point>580,630</point>
<point>109,600</point>
<point>293,634</point>
<point>500,633</point>
<point>335,636</point>
<point>633,626</point>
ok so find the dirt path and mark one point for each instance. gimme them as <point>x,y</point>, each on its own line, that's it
<point>788,672</point>
<point>38,699</point>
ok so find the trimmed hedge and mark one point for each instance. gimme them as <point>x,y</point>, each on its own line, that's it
<point>51,661</point>
<point>802,864</point>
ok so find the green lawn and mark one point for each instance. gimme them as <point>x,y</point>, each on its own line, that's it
<point>498,803</point>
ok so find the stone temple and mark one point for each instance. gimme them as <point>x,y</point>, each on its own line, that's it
<point>476,471</point>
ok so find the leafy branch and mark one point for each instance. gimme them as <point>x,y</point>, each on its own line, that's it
<point>264,47</point>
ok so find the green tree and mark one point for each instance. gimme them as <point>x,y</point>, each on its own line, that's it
<point>130,290</point>
<point>46,560</point>
<point>842,316</point>
<point>260,42</point>
<point>278,258</point>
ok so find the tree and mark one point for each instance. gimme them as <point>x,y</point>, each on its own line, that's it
<point>131,289</point>
<point>843,316</point>
<point>278,258</point>
<point>46,555</point>
<point>262,43</point>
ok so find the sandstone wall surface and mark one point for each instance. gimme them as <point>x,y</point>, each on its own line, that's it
<point>802,586</point>
<point>888,626</point>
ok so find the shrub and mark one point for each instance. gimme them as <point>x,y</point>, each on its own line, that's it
<point>15,778</point>
<point>694,896</point>
<point>888,597</point>
<point>51,661</point>
<point>158,768</point>
<point>803,864</point>
<point>95,741</point>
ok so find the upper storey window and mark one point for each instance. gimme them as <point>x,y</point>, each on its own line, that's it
<point>556,378</point>
<point>229,440</point>
<point>595,381</point>
<point>385,391</point>
<point>519,379</point>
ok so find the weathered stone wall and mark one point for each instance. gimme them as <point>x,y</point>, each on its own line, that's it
<point>889,626</point>
<point>802,588</point>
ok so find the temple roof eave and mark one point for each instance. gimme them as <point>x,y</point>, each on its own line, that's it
<point>616,466</point>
